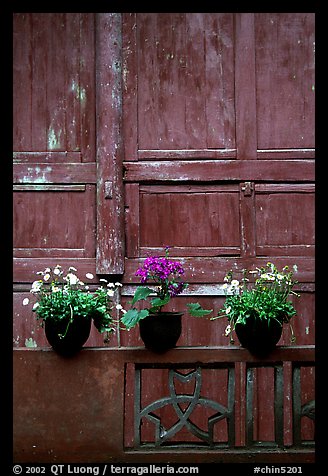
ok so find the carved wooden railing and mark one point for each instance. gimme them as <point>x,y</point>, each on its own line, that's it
<point>190,404</point>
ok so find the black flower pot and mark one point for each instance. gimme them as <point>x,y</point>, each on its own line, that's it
<point>161,331</point>
<point>260,337</point>
<point>72,342</point>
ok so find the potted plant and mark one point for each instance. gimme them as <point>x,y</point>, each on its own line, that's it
<point>66,308</point>
<point>159,329</point>
<point>257,311</point>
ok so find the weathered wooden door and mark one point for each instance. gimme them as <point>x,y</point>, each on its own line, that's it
<point>218,127</point>
<point>136,131</point>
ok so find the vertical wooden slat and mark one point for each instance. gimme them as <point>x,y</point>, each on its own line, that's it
<point>279,405</point>
<point>132,219</point>
<point>137,406</point>
<point>130,85</point>
<point>296,405</point>
<point>56,81</point>
<point>73,86</point>
<point>110,211</point>
<point>247,221</point>
<point>246,135</point>
<point>39,85</point>
<point>249,406</point>
<point>246,139</point>
<point>231,404</point>
<point>288,402</point>
<point>87,82</point>
<point>22,81</point>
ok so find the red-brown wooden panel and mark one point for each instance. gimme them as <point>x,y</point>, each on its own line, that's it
<point>178,81</point>
<point>281,229</point>
<point>53,83</point>
<point>54,223</point>
<point>284,51</point>
<point>199,218</point>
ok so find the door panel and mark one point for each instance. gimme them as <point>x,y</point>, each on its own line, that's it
<point>54,221</point>
<point>285,80</point>
<point>200,219</point>
<point>280,229</point>
<point>53,79</point>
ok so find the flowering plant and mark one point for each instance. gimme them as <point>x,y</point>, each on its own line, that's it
<point>65,297</point>
<point>167,277</point>
<point>266,299</point>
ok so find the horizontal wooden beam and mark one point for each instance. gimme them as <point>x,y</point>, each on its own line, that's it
<point>49,188</point>
<point>214,170</point>
<point>51,157</point>
<point>200,269</point>
<point>46,173</point>
<point>286,153</point>
<point>182,154</point>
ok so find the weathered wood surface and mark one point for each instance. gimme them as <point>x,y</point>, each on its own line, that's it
<point>146,128</point>
<point>90,405</point>
<point>110,207</point>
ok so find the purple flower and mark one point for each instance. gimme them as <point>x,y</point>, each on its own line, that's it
<point>163,272</point>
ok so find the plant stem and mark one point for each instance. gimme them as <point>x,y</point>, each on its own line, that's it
<point>61,336</point>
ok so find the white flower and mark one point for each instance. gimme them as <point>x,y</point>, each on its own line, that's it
<point>225,286</point>
<point>46,277</point>
<point>110,293</point>
<point>36,286</point>
<point>72,279</point>
<point>71,268</point>
<point>36,305</point>
<point>120,308</point>
<point>89,276</point>
<point>57,271</point>
<point>234,283</point>
<point>47,270</point>
<point>55,289</point>
<point>227,311</point>
<point>227,330</point>
<point>103,280</point>
<point>110,285</point>
<point>26,301</point>
<point>118,284</point>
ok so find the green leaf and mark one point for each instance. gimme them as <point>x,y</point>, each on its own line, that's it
<point>196,310</point>
<point>158,302</point>
<point>133,316</point>
<point>141,293</point>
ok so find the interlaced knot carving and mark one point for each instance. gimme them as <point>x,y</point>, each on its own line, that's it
<point>163,434</point>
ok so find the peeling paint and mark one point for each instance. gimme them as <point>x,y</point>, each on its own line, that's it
<point>37,175</point>
<point>53,139</point>
<point>80,93</point>
<point>30,343</point>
